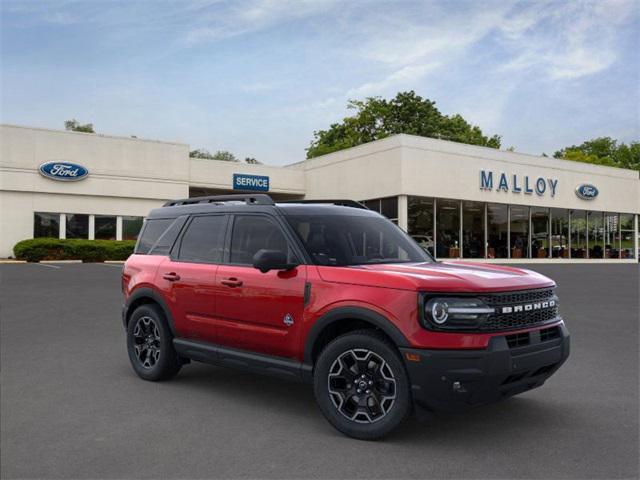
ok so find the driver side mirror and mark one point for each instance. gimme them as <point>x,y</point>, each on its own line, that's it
<point>265,260</point>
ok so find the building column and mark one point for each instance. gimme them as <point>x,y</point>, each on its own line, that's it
<point>635,237</point>
<point>403,212</point>
<point>63,225</point>
<point>92,227</point>
<point>118,228</point>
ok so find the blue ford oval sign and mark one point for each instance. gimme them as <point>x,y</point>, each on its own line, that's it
<point>63,171</point>
<point>586,191</point>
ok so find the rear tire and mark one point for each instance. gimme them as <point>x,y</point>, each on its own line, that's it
<point>150,344</point>
<point>361,385</point>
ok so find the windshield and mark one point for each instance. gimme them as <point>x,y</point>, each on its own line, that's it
<point>341,240</point>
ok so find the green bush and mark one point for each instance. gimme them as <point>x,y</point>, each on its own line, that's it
<point>37,249</point>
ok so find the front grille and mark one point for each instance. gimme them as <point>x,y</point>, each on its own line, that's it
<point>510,298</point>
<point>522,319</point>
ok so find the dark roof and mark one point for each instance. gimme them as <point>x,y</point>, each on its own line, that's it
<point>258,203</point>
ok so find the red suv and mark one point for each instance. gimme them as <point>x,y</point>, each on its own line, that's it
<point>333,294</point>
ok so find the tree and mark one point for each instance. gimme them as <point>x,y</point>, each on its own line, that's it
<point>225,156</point>
<point>201,153</point>
<point>377,118</point>
<point>219,155</point>
<point>75,126</point>
<point>252,161</point>
<point>604,151</point>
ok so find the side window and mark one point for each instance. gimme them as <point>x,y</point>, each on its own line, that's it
<point>151,231</point>
<point>167,239</point>
<point>252,233</point>
<point>204,239</point>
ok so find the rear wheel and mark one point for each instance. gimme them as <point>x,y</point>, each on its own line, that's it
<point>150,344</point>
<point>361,385</point>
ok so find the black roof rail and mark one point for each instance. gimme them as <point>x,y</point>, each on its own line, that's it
<point>257,199</point>
<point>339,202</point>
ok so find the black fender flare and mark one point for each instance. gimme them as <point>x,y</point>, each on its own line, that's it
<point>155,297</point>
<point>351,313</point>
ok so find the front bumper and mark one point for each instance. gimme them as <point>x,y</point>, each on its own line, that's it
<point>451,380</point>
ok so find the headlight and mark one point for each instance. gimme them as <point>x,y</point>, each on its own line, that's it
<point>454,312</point>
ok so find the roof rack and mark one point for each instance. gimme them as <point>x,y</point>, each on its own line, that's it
<point>258,199</point>
<point>342,203</point>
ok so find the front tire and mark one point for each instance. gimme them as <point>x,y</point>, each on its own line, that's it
<point>361,385</point>
<point>150,344</point>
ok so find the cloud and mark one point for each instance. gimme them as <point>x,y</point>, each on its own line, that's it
<point>399,79</point>
<point>565,41</point>
<point>251,16</point>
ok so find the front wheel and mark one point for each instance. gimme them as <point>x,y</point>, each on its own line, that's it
<point>361,385</point>
<point>150,344</point>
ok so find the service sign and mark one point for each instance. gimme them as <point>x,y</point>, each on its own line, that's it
<point>63,171</point>
<point>586,191</point>
<point>256,183</point>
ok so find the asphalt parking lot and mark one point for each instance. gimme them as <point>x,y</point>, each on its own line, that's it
<point>71,407</point>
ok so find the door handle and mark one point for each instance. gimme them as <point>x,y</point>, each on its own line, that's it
<point>231,282</point>
<point>172,276</point>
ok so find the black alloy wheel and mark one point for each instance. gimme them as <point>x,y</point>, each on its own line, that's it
<point>150,344</point>
<point>361,385</point>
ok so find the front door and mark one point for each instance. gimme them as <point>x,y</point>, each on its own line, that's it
<point>261,312</point>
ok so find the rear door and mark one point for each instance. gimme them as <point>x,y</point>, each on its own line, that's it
<point>261,312</point>
<point>188,277</point>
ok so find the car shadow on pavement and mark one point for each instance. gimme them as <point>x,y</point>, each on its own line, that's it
<point>295,402</point>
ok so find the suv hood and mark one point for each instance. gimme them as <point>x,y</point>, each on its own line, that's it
<point>438,277</point>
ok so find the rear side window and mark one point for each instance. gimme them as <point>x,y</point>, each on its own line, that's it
<point>151,232</point>
<point>252,233</point>
<point>203,241</point>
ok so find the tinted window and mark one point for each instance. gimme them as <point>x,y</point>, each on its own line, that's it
<point>46,225</point>
<point>151,231</point>
<point>105,227</point>
<point>77,226</point>
<point>204,239</point>
<point>252,233</point>
<point>355,240</point>
<point>131,227</point>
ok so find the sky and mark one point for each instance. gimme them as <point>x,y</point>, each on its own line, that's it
<point>258,77</point>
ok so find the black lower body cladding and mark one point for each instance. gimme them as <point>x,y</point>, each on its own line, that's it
<point>453,380</point>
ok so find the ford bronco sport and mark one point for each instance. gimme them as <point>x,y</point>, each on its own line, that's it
<point>333,294</point>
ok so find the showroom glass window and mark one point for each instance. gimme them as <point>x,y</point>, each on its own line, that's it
<point>46,225</point>
<point>131,227</point>
<point>596,234</point>
<point>386,206</point>
<point>473,230</point>
<point>77,226</point>
<point>519,231</point>
<point>559,233</point>
<point>420,221</point>
<point>105,227</point>
<point>539,232</point>
<point>497,230</point>
<point>611,235</point>
<point>578,234</point>
<point>447,228</point>
<point>626,235</point>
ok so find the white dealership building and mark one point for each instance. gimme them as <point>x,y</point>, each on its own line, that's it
<point>459,201</point>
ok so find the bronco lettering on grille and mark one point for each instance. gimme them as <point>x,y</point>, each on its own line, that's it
<point>527,307</point>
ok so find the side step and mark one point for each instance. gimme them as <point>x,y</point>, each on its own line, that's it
<point>280,367</point>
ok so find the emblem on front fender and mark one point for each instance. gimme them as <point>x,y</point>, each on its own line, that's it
<point>288,320</point>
